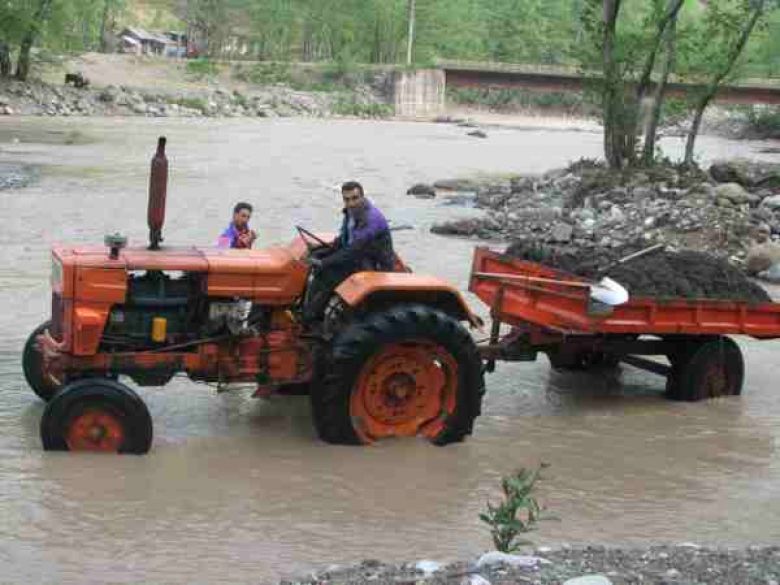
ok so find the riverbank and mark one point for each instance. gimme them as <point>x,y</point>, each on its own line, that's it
<point>686,563</point>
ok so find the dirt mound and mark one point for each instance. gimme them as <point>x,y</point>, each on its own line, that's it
<point>660,274</point>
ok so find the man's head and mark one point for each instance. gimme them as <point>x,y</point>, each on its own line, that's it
<point>352,192</point>
<point>242,213</point>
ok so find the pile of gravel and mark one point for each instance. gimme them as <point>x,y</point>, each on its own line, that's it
<point>660,274</point>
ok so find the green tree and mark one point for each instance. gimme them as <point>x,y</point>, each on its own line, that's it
<point>713,53</point>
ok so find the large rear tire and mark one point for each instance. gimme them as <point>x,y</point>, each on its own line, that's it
<point>97,414</point>
<point>32,365</point>
<point>712,369</point>
<point>405,371</point>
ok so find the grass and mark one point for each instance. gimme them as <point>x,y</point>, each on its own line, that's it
<point>201,68</point>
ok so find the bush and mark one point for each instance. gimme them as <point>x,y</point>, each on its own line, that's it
<point>193,103</point>
<point>764,121</point>
<point>517,514</point>
<point>350,107</point>
<point>200,68</point>
<point>515,99</point>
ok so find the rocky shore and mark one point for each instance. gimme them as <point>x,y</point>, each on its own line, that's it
<point>684,564</point>
<point>37,98</point>
<point>588,206</point>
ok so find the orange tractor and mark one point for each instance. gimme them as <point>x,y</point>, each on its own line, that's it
<point>390,355</point>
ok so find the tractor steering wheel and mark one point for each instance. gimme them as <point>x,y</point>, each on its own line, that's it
<point>307,236</point>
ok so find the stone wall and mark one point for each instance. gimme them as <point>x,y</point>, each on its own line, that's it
<point>419,94</point>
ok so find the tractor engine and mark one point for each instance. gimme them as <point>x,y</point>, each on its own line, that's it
<point>163,308</point>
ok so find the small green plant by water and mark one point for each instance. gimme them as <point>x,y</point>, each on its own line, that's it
<point>516,514</point>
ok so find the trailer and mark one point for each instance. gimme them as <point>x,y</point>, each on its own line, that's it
<point>553,312</point>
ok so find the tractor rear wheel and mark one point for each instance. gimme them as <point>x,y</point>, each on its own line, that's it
<point>32,365</point>
<point>406,371</point>
<point>97,414</point>
<point>711,369</point>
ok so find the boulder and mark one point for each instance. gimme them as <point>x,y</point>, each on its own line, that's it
<point>761,256</point>
<point>746,173</point>
<point>456,185</point>
<point>422,191</point>
<point>772,203</point>
<point>734,192</point>
<point>461,227</point>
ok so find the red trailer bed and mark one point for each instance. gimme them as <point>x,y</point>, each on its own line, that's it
<point>552,312</point>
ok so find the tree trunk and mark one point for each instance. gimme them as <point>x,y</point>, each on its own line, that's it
<point>613,149</point>
<point>712,88</point>
<point>104,26</point>
<point>648,149</point>
<point>669,19</point>
<point>410,42</point>
<point>5,60</point>
<point>39,18</point>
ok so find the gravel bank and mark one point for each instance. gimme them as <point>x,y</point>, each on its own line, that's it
<point>685,564</point>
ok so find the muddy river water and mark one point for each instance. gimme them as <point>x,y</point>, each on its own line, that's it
<point>239,490</point>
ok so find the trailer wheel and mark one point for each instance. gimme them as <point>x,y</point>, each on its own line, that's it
<point>97,414</point>
<point>32,366</point>
<point>405,371</point>
<point>712,369</point>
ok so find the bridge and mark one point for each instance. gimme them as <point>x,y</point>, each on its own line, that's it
<point>545,79</point>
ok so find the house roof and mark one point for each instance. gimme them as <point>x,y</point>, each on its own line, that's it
<point>144,35</point>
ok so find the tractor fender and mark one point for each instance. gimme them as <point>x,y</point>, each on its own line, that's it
<point>373,290</point>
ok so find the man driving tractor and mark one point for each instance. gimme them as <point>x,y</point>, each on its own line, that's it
<point>364,243</point>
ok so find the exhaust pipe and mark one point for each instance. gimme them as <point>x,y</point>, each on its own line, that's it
<point>158,189</point>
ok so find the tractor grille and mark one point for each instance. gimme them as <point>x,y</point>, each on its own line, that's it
<point>56,316</point>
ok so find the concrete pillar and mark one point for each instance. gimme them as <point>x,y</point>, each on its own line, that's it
<point>419,94</point>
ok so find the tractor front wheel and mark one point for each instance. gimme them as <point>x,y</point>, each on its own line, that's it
<point>96,414</point>
<point>406,371</point>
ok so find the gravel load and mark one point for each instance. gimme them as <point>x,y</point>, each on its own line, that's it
<point>660,274</point>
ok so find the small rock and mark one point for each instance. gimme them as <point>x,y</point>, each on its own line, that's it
<point>644,193</point>
<point>589,580</point>
<point>494,558</point>
<point>428,568</point>
<point>772,274</point>
<point>616,214</point>
<point>672,573</point>
<point>561,232</point>
<point>477,134</point>
<point>422,191</point>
